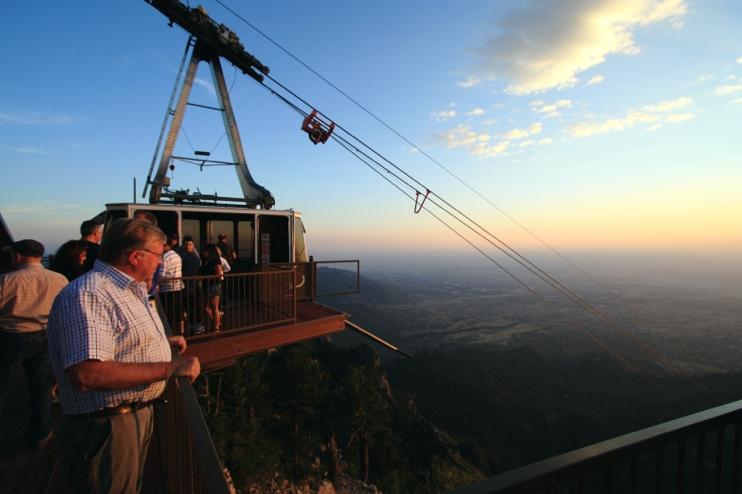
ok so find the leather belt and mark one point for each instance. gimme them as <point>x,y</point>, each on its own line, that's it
<point>122,409</point>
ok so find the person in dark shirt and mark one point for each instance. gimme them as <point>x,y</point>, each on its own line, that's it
<point>227,250</point>
<point>212,286</point>
<point>191,259</point>
<point>70,259</point>
<point>91,232</point>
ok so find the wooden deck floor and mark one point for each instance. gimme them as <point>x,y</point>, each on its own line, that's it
<point>222,349</point>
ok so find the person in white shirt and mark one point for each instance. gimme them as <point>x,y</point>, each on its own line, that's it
<point>171,288</point>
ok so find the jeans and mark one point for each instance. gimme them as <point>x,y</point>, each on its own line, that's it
<point>29,350</point>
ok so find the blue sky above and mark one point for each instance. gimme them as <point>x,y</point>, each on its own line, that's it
<point>599,124</point>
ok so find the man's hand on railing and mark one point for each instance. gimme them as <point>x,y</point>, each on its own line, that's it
<point>188,367</point>
<point>177,343</point>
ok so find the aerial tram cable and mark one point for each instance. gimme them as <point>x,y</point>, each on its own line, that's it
<point>531,267</point>
<point>581,327</point>
<point>418,149</point>
<point>484,233</point>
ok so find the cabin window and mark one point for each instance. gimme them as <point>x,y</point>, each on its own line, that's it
<point>167,221</point>
<point>217,227</point>
<point>112,215</point>
<point>300,249</point>
<point>245,247</point>
<point>192,228</point>
<point>277,230</point>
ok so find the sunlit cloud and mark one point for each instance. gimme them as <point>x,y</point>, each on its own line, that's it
<point>728,89</point>
<point>552,109</point>
<point>654,114</point>
<point>548,44</point>
<point>738,100</point>
<point>476,112</point>
<point>31,118</point>
<point>680,117</point>
<point>24,150</point>
<point>545,141</point>
<point>667,106</point>
<point>595,80</point>
<point>739,60</point>
<point>484,144</point>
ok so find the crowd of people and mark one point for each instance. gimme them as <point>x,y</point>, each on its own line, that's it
<point>89,324</point>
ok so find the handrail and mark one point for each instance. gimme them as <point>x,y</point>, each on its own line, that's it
<point>576,465</point>
<point>208,459</point>
<point>306,276</point>
<point>347,292</point>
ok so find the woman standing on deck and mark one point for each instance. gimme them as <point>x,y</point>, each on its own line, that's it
<point>213,291</point>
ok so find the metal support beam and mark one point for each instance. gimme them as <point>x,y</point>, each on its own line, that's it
<point>255,194</point>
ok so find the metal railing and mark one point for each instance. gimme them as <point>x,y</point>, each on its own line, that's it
<point>182,458</point>
<point>203,305</point>
<point>311,284</point>
<point>695,454</point>
<point>320,291</point>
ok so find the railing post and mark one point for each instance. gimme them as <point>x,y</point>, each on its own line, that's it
<point>658,462</point>
<point>737,428</point>
<point>701,454</point>
<point>719,458</point>
<point>680,477</point>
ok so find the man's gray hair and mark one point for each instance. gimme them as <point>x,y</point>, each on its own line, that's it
<point>125,235</point>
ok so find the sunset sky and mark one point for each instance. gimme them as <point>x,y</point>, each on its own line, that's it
<point>601,124</point>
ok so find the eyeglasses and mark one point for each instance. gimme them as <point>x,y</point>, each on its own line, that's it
<point>156,254</point>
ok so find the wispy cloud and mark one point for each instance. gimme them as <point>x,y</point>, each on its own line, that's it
<point>548,44</point>
<point>24,150</point>
<point>680,117</point>
<point>728,89</point>
<point>206,85</point>
<point>704,78</point>
<point>739,60</point>
<point>32,118</point>
<point>443,115</point>
<point>655,115</point>
<point>472,81</point>
<point>165,64</point>
<point>550,110</point>
<point>668,106</point>
<point>476,112</point>
<point>44,207</point>
<point>597,79</point>
<point>484,144</point>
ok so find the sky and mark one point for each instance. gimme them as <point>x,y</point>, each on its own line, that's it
<point>598,125</point>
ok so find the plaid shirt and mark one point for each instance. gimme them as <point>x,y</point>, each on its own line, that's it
<point>26,296</point>
<point>104,315</point>
<point>171,267</point>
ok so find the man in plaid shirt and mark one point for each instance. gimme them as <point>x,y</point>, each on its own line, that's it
<point>112,358</point>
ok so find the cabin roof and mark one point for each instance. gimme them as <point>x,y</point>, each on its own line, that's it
<point>201,208</point>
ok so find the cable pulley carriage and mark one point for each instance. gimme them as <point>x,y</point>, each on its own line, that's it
<point>317,128</point>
